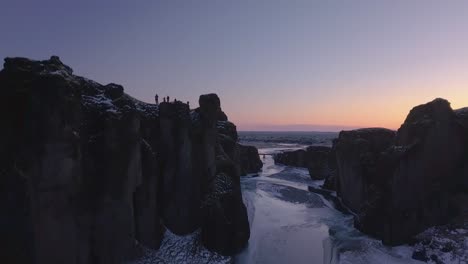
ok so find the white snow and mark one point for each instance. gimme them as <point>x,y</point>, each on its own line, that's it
<point>181,249</point>
<point>59,72</point>
<point>145,108</point>
<point>99,99</point>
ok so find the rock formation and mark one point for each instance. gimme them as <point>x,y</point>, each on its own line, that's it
<point>357,154</point>
<point>87,170</point>
<point>249,159</point>
<point>245,156</point>
<point>430,146</point>
<point>399,184</point>
<point>317,159</point>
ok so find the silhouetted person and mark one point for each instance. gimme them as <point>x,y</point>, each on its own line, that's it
<point>156,99</point>
<point>168,99</point>
<point>175,100</point>
<point>188,104</point>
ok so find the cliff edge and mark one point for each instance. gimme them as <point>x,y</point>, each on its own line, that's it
<point>87,171</point>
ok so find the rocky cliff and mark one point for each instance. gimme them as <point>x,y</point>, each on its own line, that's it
<point>397,183</point>
<point>317,159</point>
<point>87,171</point>
<point>401,183</point>
<point>249,159</point>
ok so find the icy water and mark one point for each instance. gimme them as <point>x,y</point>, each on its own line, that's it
<point>289,224</point>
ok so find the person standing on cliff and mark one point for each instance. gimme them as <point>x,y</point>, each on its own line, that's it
<point>156,99</point>
<point>168,99</point>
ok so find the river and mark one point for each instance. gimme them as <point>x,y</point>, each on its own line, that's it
<point>289,224</point>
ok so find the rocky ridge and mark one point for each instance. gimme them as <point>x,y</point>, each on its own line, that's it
<point>87,170</point>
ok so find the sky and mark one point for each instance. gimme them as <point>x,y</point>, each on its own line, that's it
<point>276,64</point>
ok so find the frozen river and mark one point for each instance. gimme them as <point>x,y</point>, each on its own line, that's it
<point>289,224</point>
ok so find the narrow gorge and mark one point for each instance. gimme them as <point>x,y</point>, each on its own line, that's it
<point>90,174</point>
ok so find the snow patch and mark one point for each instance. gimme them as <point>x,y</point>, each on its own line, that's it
<point>100,101</point>
<point>181,249</point>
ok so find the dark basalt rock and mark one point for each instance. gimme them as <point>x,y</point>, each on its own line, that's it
<point>425,175</point>
<point>358,182</point>
<point>225,227</point>
<point>113,91</point>
<point>227,128</point>
<point>181,190</point>
<point>400,184</point>
<point>294,158</point>
<point>357,154</point>
<point>317,159</point>
<point>249,160</point>
<point>87,170</point>
<point>319,162</point>
<point>210,106</point>
<point>330,183</point>
<point>462,119</point>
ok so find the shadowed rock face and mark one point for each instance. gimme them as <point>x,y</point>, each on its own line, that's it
<point>317,159</point>
<point>294,158</point>
<point>86,170</point>
<point>427,170</point>
<point>462,119</point>
<point>357,152</point>
<point>225,227</point>
<point>400,184</point>
<point>249,159</point>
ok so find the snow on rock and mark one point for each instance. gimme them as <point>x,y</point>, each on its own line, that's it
<point>194,116</point>
<point>98,101</point>
<point>149,110</point>
<point>442,244</point>
<point>181,249</point>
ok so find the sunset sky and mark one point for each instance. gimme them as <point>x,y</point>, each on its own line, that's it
<point>276,64</point>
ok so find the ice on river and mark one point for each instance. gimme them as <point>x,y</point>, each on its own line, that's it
<point>292,225</point>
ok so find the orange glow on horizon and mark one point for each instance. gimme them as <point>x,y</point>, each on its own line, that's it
<point>340,115</point>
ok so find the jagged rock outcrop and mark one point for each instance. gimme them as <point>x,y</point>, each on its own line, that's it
<point>317,159</point>
<point>400,184</point>
<point>249,159</point>
<point>88,170</point>
<point>432,153</point>
<point>225,227</point>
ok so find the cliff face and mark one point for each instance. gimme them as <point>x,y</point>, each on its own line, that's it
<point>432,145</point>
<point>401,183</point>
<point>87,170</point>
<point>249,159</point>
<point>357,155</point>
<point>317,159</point>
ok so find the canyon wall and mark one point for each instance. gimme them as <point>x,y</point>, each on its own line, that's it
<point>397,183</point>
<point>400,183</point>
<point>89,173</point>
<point>317,159</point>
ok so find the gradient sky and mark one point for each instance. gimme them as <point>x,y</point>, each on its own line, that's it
<point>276,64</point>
